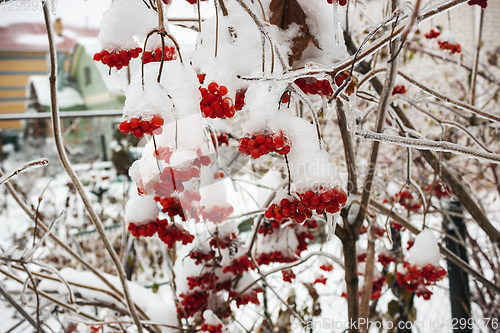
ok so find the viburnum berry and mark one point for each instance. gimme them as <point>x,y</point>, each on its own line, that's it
<point>314,87</point>
<point>399,89</point>
<point>224,242</point>
<point>264,143</point>
<point>171,233</point>
<point>410,243</point>
<point>340,2</point>
<point>211,328</point>
<point>440,190</point>
<point>215,213</point>
<point>340,77</point>
<point>385,258</point>
<point>213,103</point>
<point>287,208</point>
<point>328,200</point>
<point>239,265</point>
<point>192,303</point>
<point>453,48</point>
<point>138,126</point>
<point>320,279</point>
<point>406,200</point>
<point>361,257</point>
<point>432,34</point>
<point>155,55</point>
<point>193,2</point>
<point>222,138</point>
<point>327,267</point>
<point>247,297</point>
<point>377,287</point>
<point>424,293</point>
<point>202,256</point>
<point>427,275</point>
<point>144,230</point>
<point>117,58</point>
<point>482,3</point>
<point>204,281</point>
<point>397,226</point>
<point>288,275</point>
<point>239,100</point>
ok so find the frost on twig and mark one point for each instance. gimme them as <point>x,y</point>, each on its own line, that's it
<point>36,163</point>
<point>431,145</point>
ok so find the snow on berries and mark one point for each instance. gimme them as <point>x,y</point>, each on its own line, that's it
<point>211,323</point>
<point>482,3</point>
<point>264,143</point>
<point>169,233</point>
<point>422,265</point>
<point>447,42</point>
<point>328,200</point>
<point>140,215</point>
<point>155,55</point>
<point>288,275</point>
<point>287,208</point>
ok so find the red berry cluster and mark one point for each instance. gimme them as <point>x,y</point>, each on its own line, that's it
<point>361,257</point>
<point>399,89</point>
<point>440,190</point>
<point>379,231</point>
<point>327,267</point>
<point>239,265</point>
<point>286,209</point>
<point>258,145</point>
<point>239,100</point>
<point>432,34</point>
<point>248,297</point>
<point>192,303</point>
<point>202,256</point>
<point>397,226</point>
<point>222,138</point>
<point>320,279</point>
<point>406,200</point>
<point>453,48</point>
<point>155,55</point>
<point>206,280</point>
<point>314,87</point>
<point>171,206</point>
<point>482,3</point>
<point>424,293</point>
<point>193,2</point>
<point>340,2</point>
<point>139,126</point>
<point>223,242</point>
<point>171,179</point>
<point>211,328</point>
<point>385,258</point>
<point>410,244</point>
<point>216,214</point>
<point>213,103</point>
<point>426,275</point>
<point>171,233</point>
<point>117,59</point>
<point>377,287</point>
<point>144,230</point>
<point>288,275</point>
<point>325,200</point>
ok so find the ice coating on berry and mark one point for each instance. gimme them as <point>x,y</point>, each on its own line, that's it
<point>181,159</point>
<point>125,25</point>
<point>425,250</point>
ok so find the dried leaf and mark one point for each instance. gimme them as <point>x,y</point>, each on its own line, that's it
<point>283,14</point>
<point>351,87</point>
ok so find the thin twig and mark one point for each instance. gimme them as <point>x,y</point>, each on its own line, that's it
<point>74,178</point>
<point>36,163</point>
<point>476,61</point>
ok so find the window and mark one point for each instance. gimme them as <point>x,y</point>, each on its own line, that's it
<point>88,79</point>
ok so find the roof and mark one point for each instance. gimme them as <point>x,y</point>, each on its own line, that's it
<point>66,98</point>
<point>116,82</point>
<point>33,37</point>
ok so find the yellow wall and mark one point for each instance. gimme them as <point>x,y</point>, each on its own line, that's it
<point>15,70</point>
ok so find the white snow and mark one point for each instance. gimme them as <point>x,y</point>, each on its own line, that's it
<point>425,250</point>
<point>140,210</point>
